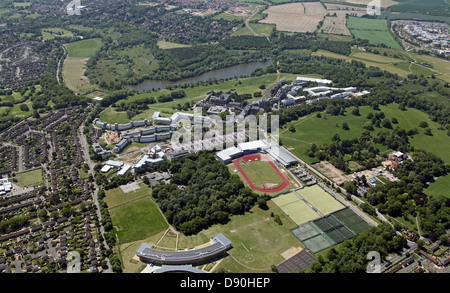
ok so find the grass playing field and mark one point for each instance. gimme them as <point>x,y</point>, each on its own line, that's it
<point>295,208</point>
<point>321,200</point>
<point>29,178</point>
<point>261,173</point>
<point>134,215</point>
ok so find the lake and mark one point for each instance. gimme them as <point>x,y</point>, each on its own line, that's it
<point>229,72</point>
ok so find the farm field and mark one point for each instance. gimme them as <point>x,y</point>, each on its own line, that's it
<point>170,45</point>
<point>394,65</point>
<point>383,3</point>
<point>336,22</point>
<point>376,31</point>
<point>296,17</point>
<point>425,7</point>
<point>313,130</point>
<point>74,64</point>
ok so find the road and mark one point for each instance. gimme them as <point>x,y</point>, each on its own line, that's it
<point>248,19</point>
<point>91,165</point>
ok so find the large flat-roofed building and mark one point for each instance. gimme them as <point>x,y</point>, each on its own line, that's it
<point>281,156</point>
<point>217,248</point>
<point>252,146</point>
<point>229,154</point>
<point>319,81</point>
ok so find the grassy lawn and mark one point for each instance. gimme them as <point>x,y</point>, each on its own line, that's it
<point>439,187</point>
<point>170,45</point>
<point>261,173</point>
<point>115,197</point>
<point>313,130</point>
<point>29,178</point>
<point>84,48</point>
<point>376,31</point>
<point>137,220</point>
<point>74,64</point>
<point>257,240</point>
<point>51,33</point>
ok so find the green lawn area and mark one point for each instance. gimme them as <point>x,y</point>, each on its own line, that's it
<point>321,200</point>
<point>376,31</point>
<point>84,48</point>
<point>29,178</point>
<point>439,187</point>
<point>314,130</point>
<point>261,172</point>
<point>51,33</point>
<point>170,45</point>
<point>74,64</point>
<point>137,220</point>
<point>115,196</point>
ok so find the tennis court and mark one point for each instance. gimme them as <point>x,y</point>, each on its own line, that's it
<point>295,208</point>
<point>320,199</point>
<point>324,232</point>
<point>351,220</point>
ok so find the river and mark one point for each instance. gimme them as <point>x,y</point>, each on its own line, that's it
<point>229,72</point>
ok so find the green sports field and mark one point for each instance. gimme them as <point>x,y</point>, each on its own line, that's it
<point>261,173</point>
<point>320,199</point>
<point>295,208</point>
<point>29,178</point>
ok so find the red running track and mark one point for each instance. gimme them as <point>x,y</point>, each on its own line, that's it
<point>252,157</point>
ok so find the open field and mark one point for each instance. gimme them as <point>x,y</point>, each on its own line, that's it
<point>170,45</point>
<point>296,17</point>
<point>137,220</point>
<point>51,33</point>
<point>401,65</point>
<point>321,200</point>
<point>74,64</point>
<point>335,22</point>
<point>256,238</point>
<point>383,3</point>
<point>439,187</point>
<point>295,208</point>
<point>29,178</point>
<point>138,59</point>
<point>376,31</point>
<point>313,130</point>
<point>115,197</point>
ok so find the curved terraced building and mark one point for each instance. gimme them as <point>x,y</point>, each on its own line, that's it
<point>215,249</point>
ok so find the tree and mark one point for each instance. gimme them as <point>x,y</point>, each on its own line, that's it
<point>345,126</point>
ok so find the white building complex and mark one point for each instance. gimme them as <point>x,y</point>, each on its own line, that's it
<point>276,152</point>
